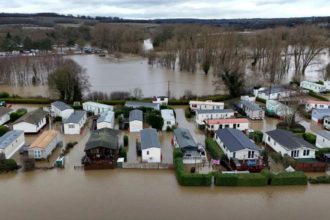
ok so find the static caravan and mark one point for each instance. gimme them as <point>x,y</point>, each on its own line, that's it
<point>273,93</point>
<point>150,146</point>
<point>106,120</point>
<point>202,115</point>
<point>168,117</point>
<point>319,114</point>
<point>96,108</point>
<point>276,108</point>
<point>4,115</point>
<point>43,146</point>
<point>241,124</point>
<point>135,105</point>
<point>135,120</point>
<point>11,142</point>
<point>205,105</point>
<point>162,100</point>
<point>322,139</point>
<point>31,122</point>
<point>60,109</point>
<point>315,87</point>
<point>251,109</point>
<point>326,122</point>
<point>311,104</point>
<point>75,122</point>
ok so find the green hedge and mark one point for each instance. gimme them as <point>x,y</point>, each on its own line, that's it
<point>320,153</point>
<point>113,102</point>
<point>248,179</point>
<point>7,165</point>
<point>190,179</point>
<point>177,153</point>
<point>309,137</point>
<point>27,100</point>
<point>123,153</point>
<point>289,178</point>
<point>261,100</point>
<point>256,136</point>
<point>320,180</point>
<point>16,115</point>
<point>125,139</point>
<point>3,130</point>
<point>213,148</point>
<point>315,95</point>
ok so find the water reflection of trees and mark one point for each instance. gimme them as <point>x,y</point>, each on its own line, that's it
<point>26,70</point>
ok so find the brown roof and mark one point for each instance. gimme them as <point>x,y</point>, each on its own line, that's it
<point>44,139</point>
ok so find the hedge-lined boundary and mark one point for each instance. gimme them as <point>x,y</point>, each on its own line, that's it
<point>248,179</point>
<point>315,95</point>
<point>320,180</point>
<point>27,100</point>
<point>288,178</point>
<point>213,148</point>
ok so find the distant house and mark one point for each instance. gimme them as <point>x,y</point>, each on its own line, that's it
<point>60,109</point>
<point>101,149</point>
<point>11,142</point>
<point>106,120</point>
<point>192,152</point>
<point>319,114</point>
<point>236,145</point>
<point>322,139</point>
<point>75,122</point>
<point>213,125</point>
<point>202,115</point>
<point>131,104</point>
<point>277,108</point>
<point>162,100</point>
<point>311,104</point>
<point>96,108</point>
<point>4,115</point>
<point>315,87</point>
<point>168,117</point>
<point>205,105</point>
<point>31,122</point>
<point>150,146</point>
<point>251,109</point>
<point>286,142</point>
<point>273,93</point>
<point>43,146</point>
<point>135,120</point>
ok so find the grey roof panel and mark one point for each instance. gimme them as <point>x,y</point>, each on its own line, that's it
<point>207,111</point>
<point>288,139</point>
<point>250,105</point>
<point>75,117</point>
<point>235,140</point>
<point>4,110</point>
<point>61,105</point>
<point>9,137</point>
<point>149,138</point>
<point>142,104</point>
<point>106,117</point>
<point>324,133</point>
<point>32,117</point>
<point>136,115</point>
<point>184,138</point>
<point>105,137</point>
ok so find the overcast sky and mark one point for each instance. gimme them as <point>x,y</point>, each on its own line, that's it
<point>173,8</point>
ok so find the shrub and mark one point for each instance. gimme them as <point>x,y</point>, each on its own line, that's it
<point>213,148</point>
<point>4,95</point>
<point>3,130</point>
<point>125,140</point>
<point>315,95</point>
<point>7,165</point>
<point>296,128</point>
<point>188,113</point>
<point>261,100</point>
<point>156,121</point>
<point>256,136</point>
<point>289,178</point>
<point>27,100</point>
<point>58,118</point>
<point>177,153</point>
<point>320,153</point>
<point>248,179</point>
<point>310,137</point>
<point>16,115</point>
<point>123,153</point>
<point>28,164</point>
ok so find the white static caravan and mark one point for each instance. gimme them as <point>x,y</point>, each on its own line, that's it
<point>11,142</point>
<point>106,120</point>
<point>241,124</point>
<point>326,122</point>
<point>31,122</point>
<point>96,108</point>
<point>202,115</point>
<point>43,146</point>
<point>252,110</point>
<point>327,85</point>
<point>168,117</point>
<point>135,120</point>
<point>273,93</point>
<point>277,108</point>
<point>150,146</point>
<point>322,139</point>
<point>75,122</point>
<point>4,115</point>
<point>162,100</point>
<point>319,114</point>
<point>311,104</point>
<point>315,87</point>
<point>60,109</point>
<point>205,105</point>
<point>286,142</point>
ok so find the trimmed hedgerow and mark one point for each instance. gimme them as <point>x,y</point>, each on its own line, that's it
<point>288,178</point>
<point>27,100</point>
<point>309,137</point>
<point>320,180</point>
<point>315,95</point>
<point>247,179</point>
<point>213,148</point>
<point>190,179</point>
